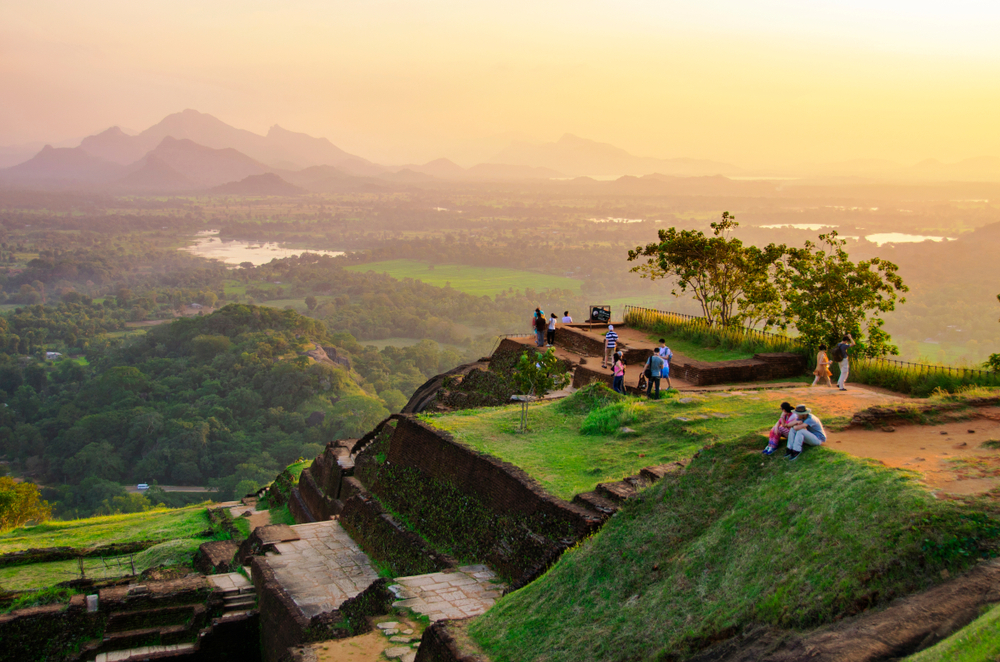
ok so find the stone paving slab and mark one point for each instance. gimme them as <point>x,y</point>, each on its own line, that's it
<point>230,581</point>
<point>322,569</point>
<point>469,591</point>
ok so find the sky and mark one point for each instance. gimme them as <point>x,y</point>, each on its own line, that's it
<point>749,82</point>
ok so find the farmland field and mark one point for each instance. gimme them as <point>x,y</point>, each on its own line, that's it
<point>477,281</point>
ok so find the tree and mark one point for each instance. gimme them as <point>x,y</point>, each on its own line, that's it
<point>730,281</point>
<point>311,302</point>
<point>21,503</point>
<point>826,295</point>
<point>537,375</point>
<point>993,363</point>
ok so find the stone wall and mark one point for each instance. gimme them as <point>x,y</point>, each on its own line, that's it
<point>579,342</point>
<point>41,633</point>
<point>383,538</point>
<point>284,626</point>
<point>446,641</point>
<point>705,373</point>
<point>472,504</point>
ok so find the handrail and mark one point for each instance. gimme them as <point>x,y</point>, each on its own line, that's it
<point>696,320</point>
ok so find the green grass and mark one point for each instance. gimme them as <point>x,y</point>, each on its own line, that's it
<point>44,575</point>
<point>282,515</point>
<point>699,351</point>
<point>977,642</point>
<point>161,524</point>
<point>477,281</point>
<point>737,539</point>
<point>567,459</point>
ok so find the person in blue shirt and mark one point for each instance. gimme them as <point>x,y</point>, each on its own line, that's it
<point>807,430</point>
<point>655,365</point>
<point>668,356</point>
<point>610,343</point>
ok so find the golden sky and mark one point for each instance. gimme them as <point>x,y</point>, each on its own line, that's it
<point>750,82</point>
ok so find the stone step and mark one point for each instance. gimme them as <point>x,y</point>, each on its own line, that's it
<point>597,503</point>
<point>171,634</point>
<point>655,473</point>
<point>238,601</point>
<point>144,652</point>
<point>125,621</point>
<point>618,492</point>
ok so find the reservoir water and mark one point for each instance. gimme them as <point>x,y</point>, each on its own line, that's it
<point>209,245</point>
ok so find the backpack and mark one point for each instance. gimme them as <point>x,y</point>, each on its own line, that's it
<point>837,355</point>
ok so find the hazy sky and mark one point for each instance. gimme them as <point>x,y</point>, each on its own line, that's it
<point>751,82</point>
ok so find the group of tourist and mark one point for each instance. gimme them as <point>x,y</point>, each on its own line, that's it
<point>545,329</point>
<point>656,369</point>
<point>823,363</point>
<point>799,426</point>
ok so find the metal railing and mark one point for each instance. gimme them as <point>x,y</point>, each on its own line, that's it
<point>639,316</point>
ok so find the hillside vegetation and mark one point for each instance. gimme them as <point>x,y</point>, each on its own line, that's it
<point>739,539</point>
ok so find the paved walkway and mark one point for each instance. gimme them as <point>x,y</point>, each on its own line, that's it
<point>323,569</point>
<point>257,518</point>
<point>231,581</point>
<point>469,591</point>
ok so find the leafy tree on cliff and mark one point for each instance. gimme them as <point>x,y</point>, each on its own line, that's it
<point>537,375</point>
<point>20,503</point>
<point>826,295</point>
<point>730,281</point>
<point>993,363</point>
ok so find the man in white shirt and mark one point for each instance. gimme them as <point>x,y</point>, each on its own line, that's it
<point>566,318</point>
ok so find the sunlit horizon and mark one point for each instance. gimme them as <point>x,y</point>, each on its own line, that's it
<point>768,86</point>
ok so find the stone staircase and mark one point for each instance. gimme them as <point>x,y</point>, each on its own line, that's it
<point>607,498</point>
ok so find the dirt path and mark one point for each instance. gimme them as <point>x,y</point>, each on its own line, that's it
<point>832,402</point>
<point>950,457</point>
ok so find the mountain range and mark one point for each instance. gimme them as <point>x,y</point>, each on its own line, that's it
<point>190,152</point>
<point>579,157</point>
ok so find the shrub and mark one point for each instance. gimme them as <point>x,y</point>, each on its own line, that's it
<point>613,417</point>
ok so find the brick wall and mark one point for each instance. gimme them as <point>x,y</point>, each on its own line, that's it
<point>501,485</point>
<point>579,342</point>
<point>387,540</point>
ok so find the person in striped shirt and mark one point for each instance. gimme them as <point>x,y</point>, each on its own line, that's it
<point>610,342</point>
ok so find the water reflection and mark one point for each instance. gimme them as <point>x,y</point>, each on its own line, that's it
<point>208,245</point>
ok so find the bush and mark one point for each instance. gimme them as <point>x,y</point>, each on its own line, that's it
<point>609,419</point>
<point>592,396</point>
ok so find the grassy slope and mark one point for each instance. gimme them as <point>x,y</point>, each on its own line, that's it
<point>477,281</point>
<point>736,539</point>
<point>566,461</point>
<point>153,525</point>
<point>977,642</point>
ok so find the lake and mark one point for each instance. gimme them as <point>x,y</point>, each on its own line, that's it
<point>902,238</point>
<point>208,245</point>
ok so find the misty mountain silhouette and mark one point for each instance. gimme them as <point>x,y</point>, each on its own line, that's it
<point>63,166</point>
<point>280,148</point>
<point>154,175</point>
<point>577,156</point>
<point>267,184</point>
<point>204,166</point>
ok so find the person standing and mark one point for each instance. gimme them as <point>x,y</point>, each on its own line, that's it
<point>822,370</point>
<point>807,430</point>
<point>552,330</point>
<point>566,318</point>
<point>618,383</point>
<point>667,356</point>
<point>610,343</point>
<point>540,328</point>
<point>655,365</point>
<point>845,363</point>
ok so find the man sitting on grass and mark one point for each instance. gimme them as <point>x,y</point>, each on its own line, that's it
<point>807,430</point>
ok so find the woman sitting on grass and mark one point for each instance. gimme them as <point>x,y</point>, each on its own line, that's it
<point>807,430</point>
<point>781,428</point>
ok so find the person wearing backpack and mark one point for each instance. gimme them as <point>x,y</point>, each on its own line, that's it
<point>841,358</point>
<point>654,370</point>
